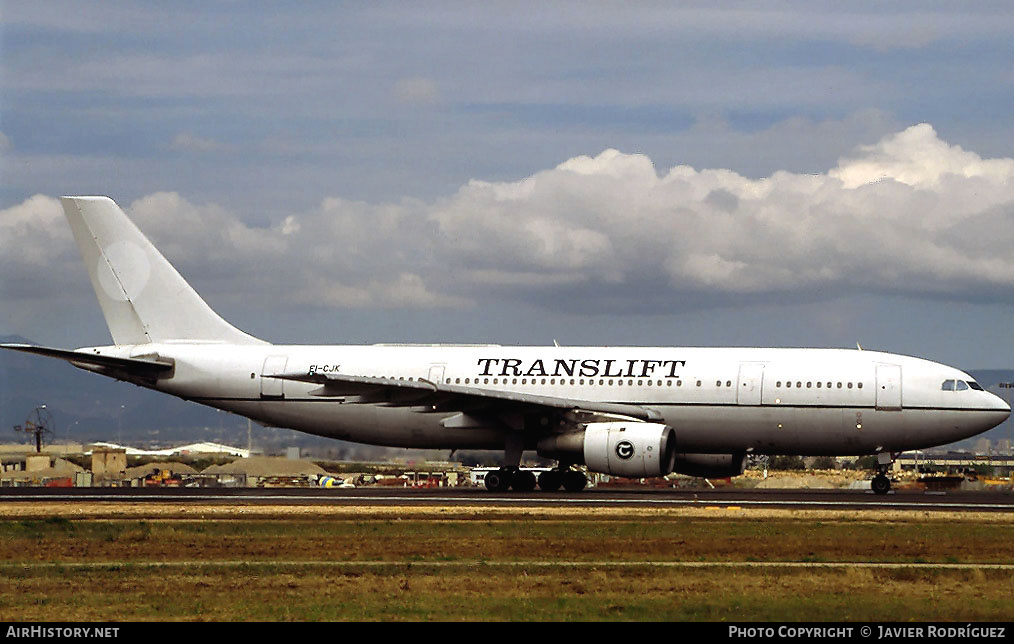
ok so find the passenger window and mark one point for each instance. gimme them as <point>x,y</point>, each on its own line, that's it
<point>947,386</point>
<point>728,383</point>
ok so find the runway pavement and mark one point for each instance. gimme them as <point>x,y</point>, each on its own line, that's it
<point>956,501</point>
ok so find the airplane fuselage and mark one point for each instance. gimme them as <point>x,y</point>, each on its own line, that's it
<point>718,400</point>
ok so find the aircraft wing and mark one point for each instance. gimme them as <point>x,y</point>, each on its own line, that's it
<point>440,397</point>
<point>113,366</point>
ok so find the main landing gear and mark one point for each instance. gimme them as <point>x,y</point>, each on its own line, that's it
<point>522,481</point>
<point>880,483</point>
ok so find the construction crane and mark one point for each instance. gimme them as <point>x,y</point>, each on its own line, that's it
<point>38,423</point>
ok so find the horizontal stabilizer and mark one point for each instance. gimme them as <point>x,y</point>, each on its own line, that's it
<point>139,367</point>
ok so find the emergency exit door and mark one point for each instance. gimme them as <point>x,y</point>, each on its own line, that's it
<point>436,374</point>
<point>748,391</point>
<point>888,386</point>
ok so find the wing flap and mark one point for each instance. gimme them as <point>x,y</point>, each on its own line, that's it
<point>447,397</point>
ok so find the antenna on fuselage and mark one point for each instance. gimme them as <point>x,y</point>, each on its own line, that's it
<point>859,346</point>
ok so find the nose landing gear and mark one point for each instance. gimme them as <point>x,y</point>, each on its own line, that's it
<point>880,483</point>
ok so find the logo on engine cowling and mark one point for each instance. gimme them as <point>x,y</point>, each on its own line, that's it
<point>624,449</point>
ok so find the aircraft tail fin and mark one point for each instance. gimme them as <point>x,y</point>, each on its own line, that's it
<point>142,296</point>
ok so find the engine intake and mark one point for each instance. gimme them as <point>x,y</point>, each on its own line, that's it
<point>631,449</point>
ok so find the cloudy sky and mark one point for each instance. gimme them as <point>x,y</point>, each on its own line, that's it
<point>593,173</point>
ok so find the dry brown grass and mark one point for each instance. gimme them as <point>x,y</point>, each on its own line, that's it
<point>95,561</point>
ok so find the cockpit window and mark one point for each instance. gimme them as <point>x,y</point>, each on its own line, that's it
<point>962,385</point>
<point>974,385</point>
<point>948,385</point>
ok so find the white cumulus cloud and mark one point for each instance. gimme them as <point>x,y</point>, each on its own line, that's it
<point>610,232</point>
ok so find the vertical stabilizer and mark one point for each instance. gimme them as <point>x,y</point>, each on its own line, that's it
<point>142,296</point>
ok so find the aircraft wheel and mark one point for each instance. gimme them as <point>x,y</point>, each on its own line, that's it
<point>523,482</point>
<point>550,481</point>
<point>498,480</point>
<point>574,481</point>
<point>880,484</point>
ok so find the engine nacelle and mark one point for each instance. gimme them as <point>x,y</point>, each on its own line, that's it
<point>713,466</point>
<point>631,449</point>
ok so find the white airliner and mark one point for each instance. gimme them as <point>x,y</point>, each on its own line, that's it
<point>626,411</point>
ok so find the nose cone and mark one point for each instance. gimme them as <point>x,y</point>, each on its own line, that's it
<point>997,403</point>
<point>999,410</point>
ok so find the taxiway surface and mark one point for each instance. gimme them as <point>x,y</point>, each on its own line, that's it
<point>954,501</point>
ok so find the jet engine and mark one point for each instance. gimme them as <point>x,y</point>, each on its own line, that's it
<point>631,449</point>
<point>710,465</point>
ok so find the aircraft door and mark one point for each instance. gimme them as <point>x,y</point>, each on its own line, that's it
<point>751,375</point>
<point>273,387</point>
<point>888,386</point>
<point>436,374</point>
